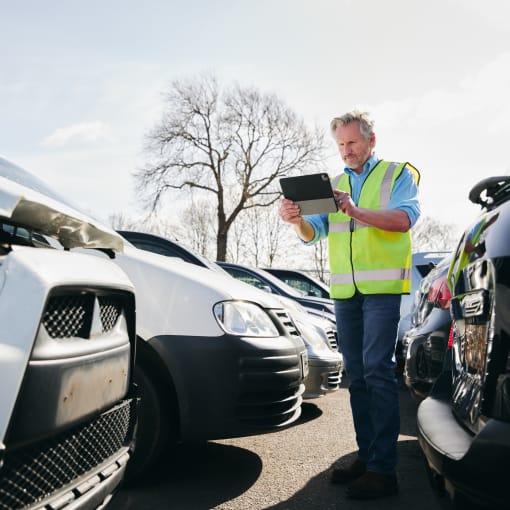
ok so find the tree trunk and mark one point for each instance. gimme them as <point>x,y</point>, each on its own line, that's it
<point>221,246</point>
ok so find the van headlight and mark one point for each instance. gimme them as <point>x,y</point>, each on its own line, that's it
<point>244,319</point>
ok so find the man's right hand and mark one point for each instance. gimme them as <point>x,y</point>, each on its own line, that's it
<point>289,212</point>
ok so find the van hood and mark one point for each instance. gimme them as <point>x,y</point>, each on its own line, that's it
<point>177,273</point>
<point>29,203</point>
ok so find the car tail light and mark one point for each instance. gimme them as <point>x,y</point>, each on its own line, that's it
<point>439,293</point>
<point>450,337</point>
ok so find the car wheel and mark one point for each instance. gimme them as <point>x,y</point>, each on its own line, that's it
<point>421,364</point>
<point>435,479</point>
<point>153,427</point>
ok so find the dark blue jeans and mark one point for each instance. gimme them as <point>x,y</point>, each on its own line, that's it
<point>367,333</point>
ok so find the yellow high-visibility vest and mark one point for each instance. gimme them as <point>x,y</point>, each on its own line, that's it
<point>365,258</point>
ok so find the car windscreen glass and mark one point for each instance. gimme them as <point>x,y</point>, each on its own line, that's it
<point>273,280</point>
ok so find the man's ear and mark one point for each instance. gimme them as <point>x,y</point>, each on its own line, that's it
<point>372,140</point>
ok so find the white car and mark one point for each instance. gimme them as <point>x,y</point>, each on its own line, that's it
<point>325,363</point>
<point>215,358</point>
<point>67,344</point>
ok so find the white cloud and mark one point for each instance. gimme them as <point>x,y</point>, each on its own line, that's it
<point>82,134</point>
<point>483,94</point>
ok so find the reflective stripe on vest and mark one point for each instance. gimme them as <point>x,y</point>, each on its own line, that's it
<point>370,275</point>
<point>362,257</point>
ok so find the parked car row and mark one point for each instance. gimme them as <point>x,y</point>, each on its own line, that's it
<point>114,347</point>
<point>316,328</point>
<point>93,395</point>
<point>457,358</point>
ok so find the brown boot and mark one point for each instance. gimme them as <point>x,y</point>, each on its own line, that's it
<point>348,473</point>
<point>372,485</point>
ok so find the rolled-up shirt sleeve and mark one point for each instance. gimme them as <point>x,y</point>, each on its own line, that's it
<point>405,197</point>
<point>320,225</point>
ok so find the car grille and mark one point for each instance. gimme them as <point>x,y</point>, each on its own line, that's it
<point>288,323</point>
<point>334,380</point>
<point>34,472</point>
<point>273,384</point>
<point>270,408</point>
<point>332,339</point>
<point>110,309</point>
<point>70,315</point>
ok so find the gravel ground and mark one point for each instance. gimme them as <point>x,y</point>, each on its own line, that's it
<point>284,470</point>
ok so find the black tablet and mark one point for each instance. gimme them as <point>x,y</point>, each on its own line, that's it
<point>313,193</point>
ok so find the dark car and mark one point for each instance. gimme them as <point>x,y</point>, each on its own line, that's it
<point>263,280</point>
<point>424,345</point>
<point>464,425</point>
<point>422,263</point>
<point>301,281</point>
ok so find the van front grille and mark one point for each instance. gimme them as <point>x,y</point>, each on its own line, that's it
<point>69,315</point>
<point>36,471</point>
<point>110,308</point>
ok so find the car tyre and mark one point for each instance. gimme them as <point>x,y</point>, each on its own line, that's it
<point>153,428</point>
<point>422,368</point>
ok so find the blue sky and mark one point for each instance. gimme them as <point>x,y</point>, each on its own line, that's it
<point>82,82</point>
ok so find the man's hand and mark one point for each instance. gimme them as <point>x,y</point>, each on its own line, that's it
<point>289,212</point>
<point>344,202</point>
<point>390,220</point>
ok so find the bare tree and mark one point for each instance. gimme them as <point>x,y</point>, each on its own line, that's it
<point>235,142</point>
<point>320,259</point>
<point>432,234</point>
<point>197,227</point>
<point>263,235</point>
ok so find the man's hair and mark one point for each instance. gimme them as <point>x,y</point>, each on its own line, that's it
<point>366,124</point>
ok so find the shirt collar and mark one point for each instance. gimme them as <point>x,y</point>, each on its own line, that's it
<point>367,167</point>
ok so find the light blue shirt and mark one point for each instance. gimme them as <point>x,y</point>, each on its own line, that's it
<point>404,197</point>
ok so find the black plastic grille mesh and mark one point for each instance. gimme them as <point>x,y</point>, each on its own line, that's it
<point>34,472</point>
<point>69,315</point>
<point>110,309</point>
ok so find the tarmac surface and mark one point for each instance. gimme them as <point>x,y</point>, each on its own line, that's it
<point>283,470</point>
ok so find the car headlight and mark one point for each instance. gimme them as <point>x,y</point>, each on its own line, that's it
<point>244,319</point>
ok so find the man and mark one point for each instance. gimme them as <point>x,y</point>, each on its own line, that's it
<point>369,247</point>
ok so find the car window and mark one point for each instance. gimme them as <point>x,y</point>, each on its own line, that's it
<point>305,286</point>
<point>424,269</point>
<point>155,248</point>
<point>245,277</point>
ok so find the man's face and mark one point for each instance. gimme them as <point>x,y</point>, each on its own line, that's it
<point>354,148</point>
